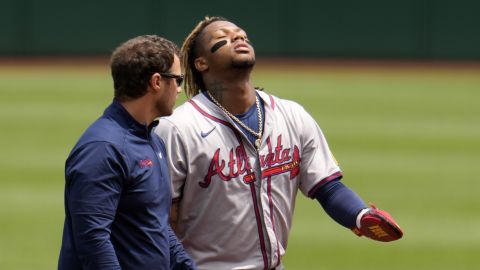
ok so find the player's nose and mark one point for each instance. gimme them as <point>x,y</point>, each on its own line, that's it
<point>238,36</point>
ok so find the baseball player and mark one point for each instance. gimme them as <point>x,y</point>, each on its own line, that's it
<point>238,157</point>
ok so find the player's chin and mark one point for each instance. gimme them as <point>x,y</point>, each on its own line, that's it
<point>243,62</point>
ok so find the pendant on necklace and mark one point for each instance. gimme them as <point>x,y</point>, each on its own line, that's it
<point>257,143</point>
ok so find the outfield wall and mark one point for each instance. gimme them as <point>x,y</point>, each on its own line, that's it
<point>418,29</point>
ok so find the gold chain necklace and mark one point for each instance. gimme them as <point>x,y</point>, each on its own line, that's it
<point>238,121</point>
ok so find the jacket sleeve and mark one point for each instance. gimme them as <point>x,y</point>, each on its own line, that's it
<point>179,259</point>
<point>94,175</point>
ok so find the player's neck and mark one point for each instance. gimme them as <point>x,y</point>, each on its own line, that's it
<point>235,96</point>
<point>232,88</point>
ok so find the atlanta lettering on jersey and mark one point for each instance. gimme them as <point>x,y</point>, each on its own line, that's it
<point>238,165</point>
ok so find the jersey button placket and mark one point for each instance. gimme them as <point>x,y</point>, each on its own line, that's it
<point>262,188</point>
<point>266,196</point>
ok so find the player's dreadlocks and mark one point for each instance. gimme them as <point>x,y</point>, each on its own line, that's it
<point>193,78</point>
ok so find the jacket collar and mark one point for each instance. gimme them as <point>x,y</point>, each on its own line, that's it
<point>117,112</point>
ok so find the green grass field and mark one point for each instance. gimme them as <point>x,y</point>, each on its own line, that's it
<point>406,139</point>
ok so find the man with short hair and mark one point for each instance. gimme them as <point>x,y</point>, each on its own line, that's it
<point>117,188</point>
<point>238,156</point>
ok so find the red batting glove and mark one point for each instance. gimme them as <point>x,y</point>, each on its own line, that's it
<point>378,225</point>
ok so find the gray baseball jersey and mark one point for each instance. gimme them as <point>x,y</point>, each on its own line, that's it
<point>236,204</point>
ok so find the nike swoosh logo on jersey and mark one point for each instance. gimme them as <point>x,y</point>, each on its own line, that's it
<point>205,134</point>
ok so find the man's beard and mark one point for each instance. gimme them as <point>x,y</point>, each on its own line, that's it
<point>243,64</point>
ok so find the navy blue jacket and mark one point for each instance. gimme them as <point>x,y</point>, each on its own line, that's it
<point>117,199</point>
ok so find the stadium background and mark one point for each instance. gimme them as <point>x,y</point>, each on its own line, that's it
<point>394,85</point>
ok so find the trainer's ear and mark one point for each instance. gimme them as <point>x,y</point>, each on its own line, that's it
<point>201,64</point>
<point>155,82</point>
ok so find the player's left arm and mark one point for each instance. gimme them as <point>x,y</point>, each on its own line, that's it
<point>320,175</point>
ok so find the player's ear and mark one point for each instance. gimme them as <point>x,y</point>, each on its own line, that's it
<point>201,64</point>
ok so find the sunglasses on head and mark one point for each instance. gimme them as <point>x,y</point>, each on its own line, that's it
<point>178,78</point>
